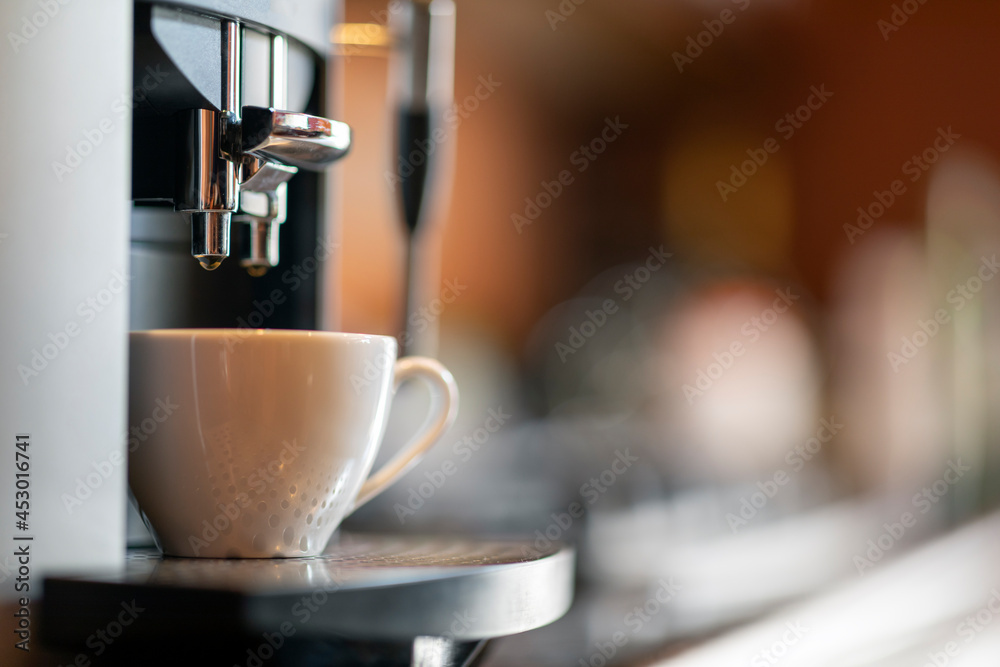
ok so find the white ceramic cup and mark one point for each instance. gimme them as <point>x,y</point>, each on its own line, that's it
<point>257,443</point>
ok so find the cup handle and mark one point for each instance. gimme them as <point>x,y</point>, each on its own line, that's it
<point>443,391</point>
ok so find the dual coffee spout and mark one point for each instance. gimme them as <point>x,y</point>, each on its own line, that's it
<point>237,161</point>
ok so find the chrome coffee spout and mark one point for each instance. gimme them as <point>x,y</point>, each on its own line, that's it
<point>208,189</point>
<point>239,158</point>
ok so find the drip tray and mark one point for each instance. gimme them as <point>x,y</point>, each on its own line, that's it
<point>369,599</point>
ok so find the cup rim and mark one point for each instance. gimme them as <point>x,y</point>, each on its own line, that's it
<point>259,334</point>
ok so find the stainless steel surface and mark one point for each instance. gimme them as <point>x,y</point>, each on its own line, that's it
<point>210,237</point>
<point>262,205</point>
<point>232,62</point>
<point>365,586</point>
<point>207,189</point>
<point>207,180</point>
<point>260,176</point>
<point>296,139</point>
<point>262,252</point>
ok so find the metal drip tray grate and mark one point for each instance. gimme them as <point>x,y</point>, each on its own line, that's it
<point>364,588</point>
<point>355,551</point>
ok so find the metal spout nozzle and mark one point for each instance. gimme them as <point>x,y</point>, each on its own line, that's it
<point>239,152</point>
<point>261,252</point>
<point>210,237</point>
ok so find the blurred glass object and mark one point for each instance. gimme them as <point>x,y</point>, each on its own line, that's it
<point>737,378</point>
<point>963,237</point>
<point>892,407</point>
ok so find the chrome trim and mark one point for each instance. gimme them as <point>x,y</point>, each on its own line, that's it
<point>297,139</point>
<point>210,237</point>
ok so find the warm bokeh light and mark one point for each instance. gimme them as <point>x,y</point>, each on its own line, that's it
<point>744,377</point>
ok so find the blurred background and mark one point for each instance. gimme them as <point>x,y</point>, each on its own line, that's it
<point>715,278</point>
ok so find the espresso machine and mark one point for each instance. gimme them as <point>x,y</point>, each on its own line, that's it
<point>169,166</point>
<point>172,138</point>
